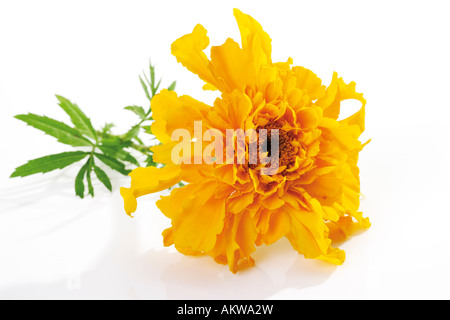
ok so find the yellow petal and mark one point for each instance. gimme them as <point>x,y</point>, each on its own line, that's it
<point>197,216</point>
<point>236,242</point>
<point>309,117</point>
<point>180,196</point>
<point>230,112</point>
<point>148,180</point>
<point>239,107</point>
<point>326,186</point>
<point>345,226</point>
<point>246,235</point>
<point>209,86</point>
<point>231,65</point>
<point>240,202</point>
<point>189,51</point>
<point>309,236</point>
<point>337,92</point>
<point>162,153</point>
<point>171,112</point>
<point>168,237</point>
<point>308,82</point>
<point>279,226</point>
<point>129,200</point>
<point>273,202</point>
<point>254,38</point>
<point>356,119</point>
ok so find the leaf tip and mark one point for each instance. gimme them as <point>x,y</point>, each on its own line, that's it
<point>14,175</point>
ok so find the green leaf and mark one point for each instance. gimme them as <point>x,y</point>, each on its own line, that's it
<point>49,163</point>
<point>138,140</point>
<point>117,152</point>
<point>88,177</point>
<point>107,128</point>
<point>114,141</point>
<point>54,128</point>
<point>144,86</point>
<point>150,162</point>
<point>139,111</point>
<point>101,175</point>
<point>152,73</point>
<point>146,79</point>
<point>152,80</point>
<point>134,131</point>
<point>78,118</point>
<point>156,88</point>
<point>112,163</point>
<point>79,180</point>
<point>147,129</point>
<point>128,158</point>
<point>172,86</point>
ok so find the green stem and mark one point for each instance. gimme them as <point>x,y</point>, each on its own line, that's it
<point>141,148</point>
<point>91,156</point>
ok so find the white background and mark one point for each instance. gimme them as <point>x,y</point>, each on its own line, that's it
<point>56,246</point>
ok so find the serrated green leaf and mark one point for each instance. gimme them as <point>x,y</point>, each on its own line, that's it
<point>139,111</point>
<point>49,163</point>
<point>172,86</point>
<point>101,175</point>
<point>144,86</point>
<point>112,163</point>
<point>54,128</point>
<point>79,180</point>
<point>78,118</point>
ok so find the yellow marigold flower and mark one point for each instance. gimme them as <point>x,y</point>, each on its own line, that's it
<point>226,209</point>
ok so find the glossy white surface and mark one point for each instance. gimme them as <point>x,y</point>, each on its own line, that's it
<point>56,246</point>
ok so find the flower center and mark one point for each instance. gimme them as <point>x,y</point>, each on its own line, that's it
<point>287,151</point>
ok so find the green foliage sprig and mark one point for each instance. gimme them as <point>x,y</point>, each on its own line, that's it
<point>115,151</point>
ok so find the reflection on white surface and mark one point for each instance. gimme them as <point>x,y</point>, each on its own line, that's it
<point>93,250</point>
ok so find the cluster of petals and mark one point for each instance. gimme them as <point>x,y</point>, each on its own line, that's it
<point>227,210</point>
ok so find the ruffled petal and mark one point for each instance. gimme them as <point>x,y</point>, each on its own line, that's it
<point>197,217</point>
<point>171,112</point>
<point>309,83</point>
<point>231,112</point>
<point>232,66</point>
<point>309,236</point>
<point>189,51</point>
<point>236,242</point>
<point>254,38</point>
<point>337,92</point>
<point>278,225</point>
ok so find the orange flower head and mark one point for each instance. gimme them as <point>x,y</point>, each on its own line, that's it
<point>229,207</point>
